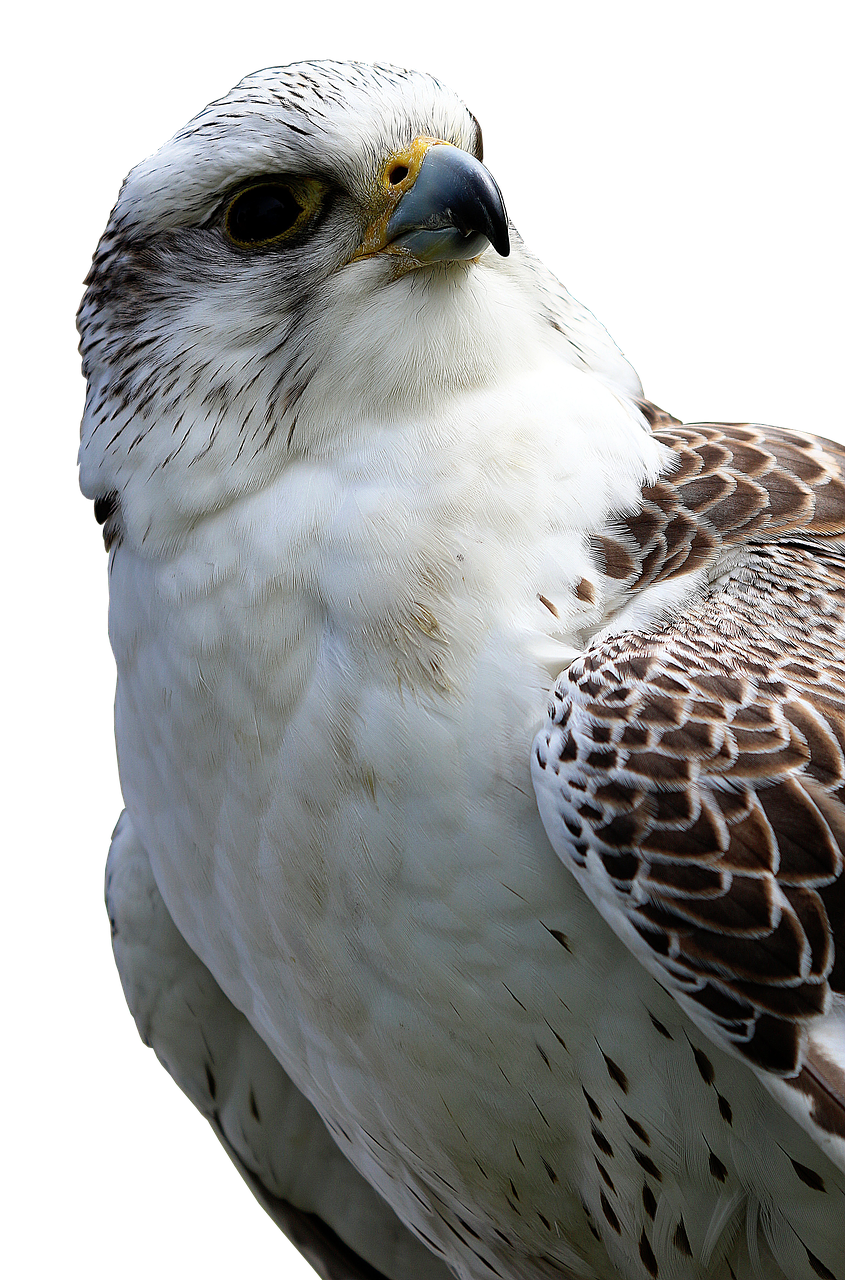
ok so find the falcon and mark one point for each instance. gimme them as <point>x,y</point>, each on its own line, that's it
<point>480,725</point>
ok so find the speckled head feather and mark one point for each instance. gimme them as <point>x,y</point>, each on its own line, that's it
<point>326,119</point>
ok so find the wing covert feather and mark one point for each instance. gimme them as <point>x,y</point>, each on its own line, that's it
<point>692,775</point>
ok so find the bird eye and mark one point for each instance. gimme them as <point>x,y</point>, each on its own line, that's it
<point>262,214</point>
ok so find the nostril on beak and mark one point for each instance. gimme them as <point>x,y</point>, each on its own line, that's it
<point>397,174</point>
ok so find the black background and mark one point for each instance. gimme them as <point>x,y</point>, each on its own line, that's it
<point>679,187</point>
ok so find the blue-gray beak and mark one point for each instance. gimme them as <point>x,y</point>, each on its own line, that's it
<point>453,210</point>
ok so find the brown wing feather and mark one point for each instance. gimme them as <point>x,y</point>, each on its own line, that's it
<point>731,483</point>
<point>703,763</point>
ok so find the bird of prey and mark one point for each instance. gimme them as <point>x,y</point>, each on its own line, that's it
<point>481,727</point>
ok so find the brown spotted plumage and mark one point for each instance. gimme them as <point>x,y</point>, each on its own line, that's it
<point>731,484</point>
<point>692,772</point>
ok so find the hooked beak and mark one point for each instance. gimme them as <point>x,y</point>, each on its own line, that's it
<point>438,204</point>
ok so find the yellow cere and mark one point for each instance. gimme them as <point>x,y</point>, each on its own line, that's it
<point>398,176</point>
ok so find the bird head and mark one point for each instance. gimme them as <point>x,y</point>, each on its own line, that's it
<point>321,248</point>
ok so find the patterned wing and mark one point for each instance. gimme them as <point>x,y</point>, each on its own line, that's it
<point>693,776</point>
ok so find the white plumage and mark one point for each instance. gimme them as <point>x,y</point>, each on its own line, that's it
<point>362,482</point>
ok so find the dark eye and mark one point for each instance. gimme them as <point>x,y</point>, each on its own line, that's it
<point>262,213</point>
